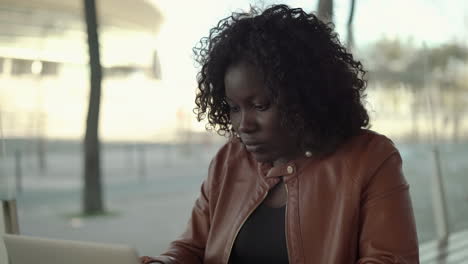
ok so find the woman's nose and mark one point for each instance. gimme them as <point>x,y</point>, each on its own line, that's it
<point>247,122</point>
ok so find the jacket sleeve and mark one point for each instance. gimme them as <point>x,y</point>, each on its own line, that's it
<point>387,233</point>
<point>189,248</point>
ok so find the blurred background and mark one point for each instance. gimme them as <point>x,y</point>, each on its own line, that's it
<point>153,153</point>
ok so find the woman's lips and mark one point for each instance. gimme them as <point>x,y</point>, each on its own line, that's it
<point>253,147</point>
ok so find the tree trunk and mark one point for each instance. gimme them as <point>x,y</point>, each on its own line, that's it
<point>350,36</point>
<point>92,193</point>
<point>414,116</point>
<point>325,10</point>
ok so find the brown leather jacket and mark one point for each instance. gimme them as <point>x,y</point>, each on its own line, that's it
<point>352,206</point>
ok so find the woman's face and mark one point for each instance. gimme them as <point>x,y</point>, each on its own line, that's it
<point>255,117</point>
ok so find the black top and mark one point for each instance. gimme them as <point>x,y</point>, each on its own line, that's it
<point>262,238</point>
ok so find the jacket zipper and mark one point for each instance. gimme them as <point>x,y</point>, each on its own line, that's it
<point>242,223</point>
<point>286,223</point>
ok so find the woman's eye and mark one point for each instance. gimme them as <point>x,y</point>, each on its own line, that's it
<point>233,109</point>
<point>261,107</point>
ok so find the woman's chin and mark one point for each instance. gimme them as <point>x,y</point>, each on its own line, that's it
<point>261,157</point>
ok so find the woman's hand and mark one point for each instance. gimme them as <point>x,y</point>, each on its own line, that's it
<point>146,260</point>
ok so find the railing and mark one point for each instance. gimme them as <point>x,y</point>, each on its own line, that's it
<point>453,250</point>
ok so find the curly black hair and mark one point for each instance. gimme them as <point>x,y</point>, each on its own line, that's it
<point>316,83</point>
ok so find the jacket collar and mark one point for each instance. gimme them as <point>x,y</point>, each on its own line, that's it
<point>287,170</point>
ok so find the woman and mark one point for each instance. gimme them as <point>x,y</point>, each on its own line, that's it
<point>301,179</point>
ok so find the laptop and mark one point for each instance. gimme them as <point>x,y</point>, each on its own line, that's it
<point>27,250</point>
